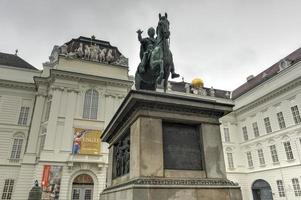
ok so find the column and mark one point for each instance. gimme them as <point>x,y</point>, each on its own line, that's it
<point>31,148</point>
<point>53,116</point>
<point>109,108</point>
<point>67,135</point>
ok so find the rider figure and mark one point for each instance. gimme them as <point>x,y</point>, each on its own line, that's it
<point>147,45</point>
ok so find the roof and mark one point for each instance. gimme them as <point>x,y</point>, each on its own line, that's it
<point>14,61</point>
<point>267,74</point>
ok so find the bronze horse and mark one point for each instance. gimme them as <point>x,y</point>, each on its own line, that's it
<point>160,62</point>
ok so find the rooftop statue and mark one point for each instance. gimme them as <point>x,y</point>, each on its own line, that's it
<point>156,58</point>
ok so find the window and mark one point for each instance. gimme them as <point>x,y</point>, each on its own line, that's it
<point>255,129</point>
<point>261,157</point>
<point>296,186</point>
<point>296,114</point>
<point>274,153</point>
<point>47,111</point>
<point>249,157</point>
<point>90,104</point>
<point>267,124</point>
<point>16,148</point>
<point>288,150</point>
<point>230,160</point>
<point>227,135</point>
<point>245,133</point>
<point>8,189</point>
<point>23,115</point>
<point>280,188</point>
<point>281,121</point>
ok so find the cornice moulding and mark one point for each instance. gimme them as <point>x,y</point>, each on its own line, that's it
<point>17,85</point>
<point>277,92</point>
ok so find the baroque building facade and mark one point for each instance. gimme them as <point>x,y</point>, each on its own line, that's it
<point>262,137</point>
<point>51,120</point>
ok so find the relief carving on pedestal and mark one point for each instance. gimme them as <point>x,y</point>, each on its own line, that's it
<point>121,157</point>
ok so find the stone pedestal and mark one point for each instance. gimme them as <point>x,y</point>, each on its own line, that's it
<point>167,147</point>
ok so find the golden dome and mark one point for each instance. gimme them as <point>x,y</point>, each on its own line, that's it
<point>197,83</point>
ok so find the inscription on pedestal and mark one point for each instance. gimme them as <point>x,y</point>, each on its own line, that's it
<point>182,147</point>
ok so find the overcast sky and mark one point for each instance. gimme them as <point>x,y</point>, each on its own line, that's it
<point>220,41</point>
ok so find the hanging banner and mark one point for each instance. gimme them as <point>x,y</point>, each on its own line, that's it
<point>86,142</point>
<point>51,182</point>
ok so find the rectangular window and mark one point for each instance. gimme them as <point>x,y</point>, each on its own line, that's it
<point>281,121</point>
<point>274,153</point>
<point>23,115</point>
<point>255,129</point>
<point>227,135</point>
<point>280,188</point>
<point>261,157</point>
<point>250,160</point>
<point>8,189</point>
<point>16,148</point>
<point>288,150</point>
<point>296,186</point>
<point>296,114</point>
<point>267,125</point>
<point>47,111</point>
<point>245,133</point>
<point>230,160</point>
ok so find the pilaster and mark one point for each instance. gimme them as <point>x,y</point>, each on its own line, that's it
<point>31,148</point>
<point>53,117</point>
<point>67,135</point>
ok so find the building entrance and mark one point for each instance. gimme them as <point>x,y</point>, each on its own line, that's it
<point>262,190</point>
<point>82,187</point>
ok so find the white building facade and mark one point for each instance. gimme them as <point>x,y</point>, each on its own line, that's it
<point>262,137</point>
<point>51,120</point>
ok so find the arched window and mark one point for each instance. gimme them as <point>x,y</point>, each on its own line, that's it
<point>90,104</point>
<point>17,144</point>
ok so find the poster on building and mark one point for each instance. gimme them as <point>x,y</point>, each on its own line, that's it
<point>51,182</point>
<point>86,142</point>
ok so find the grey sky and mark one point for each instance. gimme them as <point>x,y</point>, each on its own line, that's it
<point>221,41</point>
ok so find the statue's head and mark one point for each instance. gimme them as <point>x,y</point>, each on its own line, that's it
<point>151,32</point>
<point>163,26</point>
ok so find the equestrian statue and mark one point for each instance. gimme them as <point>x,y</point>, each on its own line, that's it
<point>156,58</point>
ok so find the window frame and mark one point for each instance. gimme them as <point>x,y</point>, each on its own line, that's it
<point>227,134</point>
<point>296,114</point>
<point>23,115</point>
<point>16,148</point>
<point>261,156</point>
<point>288,150</point>
<point>280,186</point>
<point>245,133</point>
<point>230,160</point>
<point>274,153</point>
<point>296,186</point>
<point>281,121</point>
<point>255,129</point>
<point>267,124</point>
<point>90,106</point>
<point>8,188</point>
<point>250,159</point>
